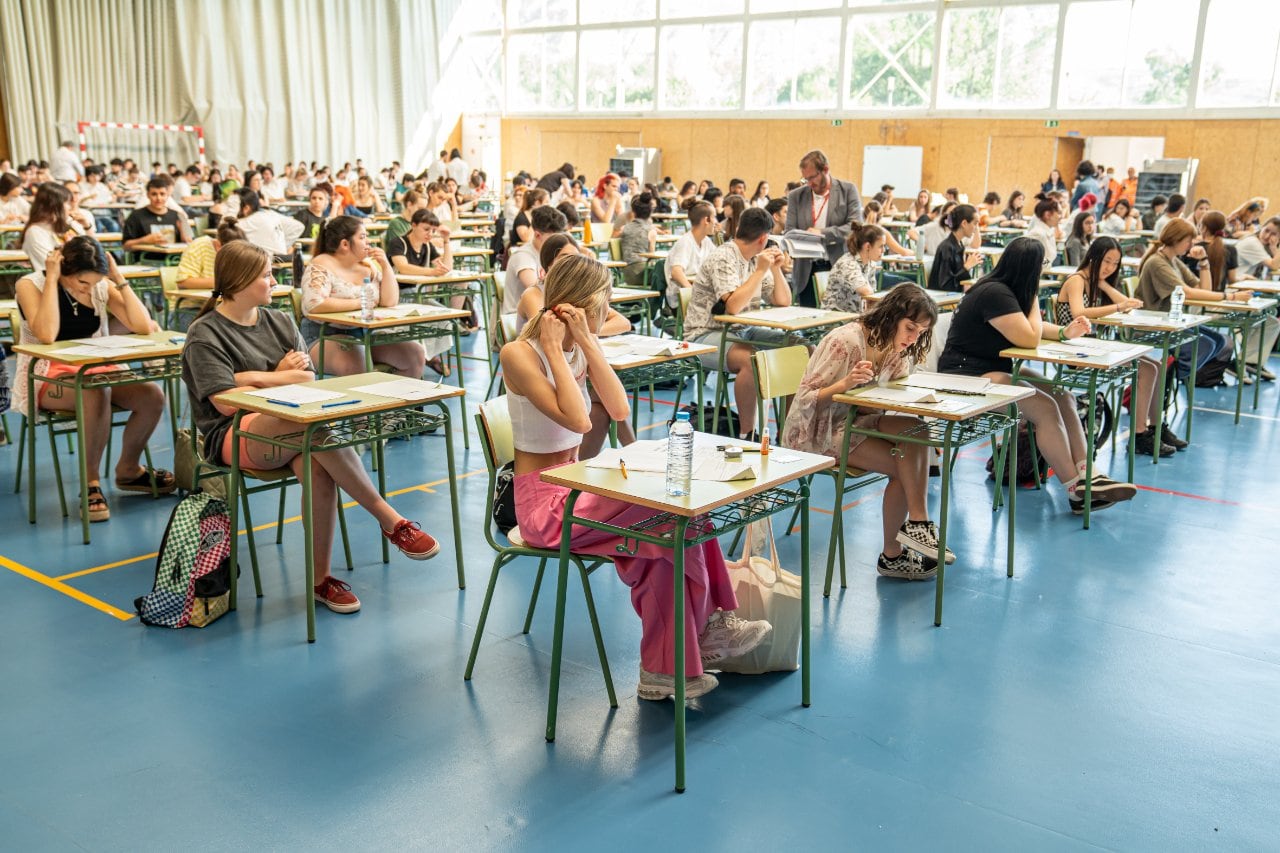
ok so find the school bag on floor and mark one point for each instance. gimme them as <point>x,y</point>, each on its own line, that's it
<point>193,575</point>
<point>765,591</point>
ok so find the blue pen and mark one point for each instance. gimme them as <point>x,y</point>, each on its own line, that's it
<point>176,340</point>
<point>339,403</point>
<point>284,403</point>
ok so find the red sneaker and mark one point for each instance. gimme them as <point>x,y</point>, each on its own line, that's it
<point>412,542</point>
<point>337,596</point>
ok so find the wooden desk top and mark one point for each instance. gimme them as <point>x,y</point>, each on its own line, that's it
<point>421,314</point>
<point>961,407</point>
<point>131,271</point>
<point>310,413</point>
<point>789,319</point>
<point>472,253</point>
<point>649,489</point>
<point>621,354</point>
<point>454,277</point>
<point>1089,353</point>
<point>200,294</point>
<point>14,256</point>
<point>631,294</point>
<point>653,256</point>
<point>1254,305</point>
<point>1257,286</point>
<point>1149,321</point>
<point>167,344</point>
<point>901,259</point>
<point>941,298</point>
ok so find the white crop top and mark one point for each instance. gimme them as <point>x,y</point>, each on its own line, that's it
<point>531,430</point>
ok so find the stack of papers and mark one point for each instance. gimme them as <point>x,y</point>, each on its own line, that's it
<point>403,389</point>
<point>783,314</point>
<point>399,312</point>
<point>107,346</point>
<point>622,350</point>
<point>650,457</point>
<point>950,383</point>
<point>298,395</point>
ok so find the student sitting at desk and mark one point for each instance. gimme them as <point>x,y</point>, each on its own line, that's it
<point>956,257</point>
<point>1162,272</point>
<point>265,227</point>
<point>401,223</point>
<point>314,215</point>
<point>1091,292</point>
<point>732,281</point>
<point>853,276</point>
<point>1044,228</point>
<point>343,260</point>
<point>886,342</point>
<point>14,209</point>
<point>1002,311</point>
<point>1082,231</point>
<point>559,246</point>
<point>238,344</point>
<point>415,253</point>
<point>690,251</point>
<point>546,371</point>
<point>1011,216</point>
<point>523,269</point>
<point>365,199</point>
<point>74,296</point>
<point>1258,252</point>
<point>1120,219</point>
<point>1224,272</point>
<point>638,236</point>
<point>195,268</point>
<point>48,225</point>
<point>155,224</point>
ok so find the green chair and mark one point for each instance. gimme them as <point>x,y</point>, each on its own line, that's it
<point>493,423</point>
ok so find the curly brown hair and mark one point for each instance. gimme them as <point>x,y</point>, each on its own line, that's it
<point>905,301</point>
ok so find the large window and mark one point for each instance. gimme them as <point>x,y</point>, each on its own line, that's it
<point>914,57</point>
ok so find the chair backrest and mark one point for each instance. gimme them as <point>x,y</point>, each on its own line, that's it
<point>820,284</point>
<point>493,425</point>
<point>778,373</point>
<point>615,248</point>
<point>169,278</point>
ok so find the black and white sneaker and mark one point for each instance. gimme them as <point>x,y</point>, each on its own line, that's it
<point>922,536</point>
<point>1077,503</point>
<point>1109,489</point>
<point>909,565</point>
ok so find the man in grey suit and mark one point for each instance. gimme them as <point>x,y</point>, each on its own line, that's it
<point>825,206</point>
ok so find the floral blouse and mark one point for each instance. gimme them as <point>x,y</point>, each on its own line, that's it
<point>848,276</point>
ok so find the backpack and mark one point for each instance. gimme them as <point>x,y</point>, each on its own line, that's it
<point>1026,474</point>
<point>193,575</point>
<point>1210,373</point>
<point>504,498</point>
<point>719,426</point>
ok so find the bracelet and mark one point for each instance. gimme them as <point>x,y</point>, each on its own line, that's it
<point>1062,334</point>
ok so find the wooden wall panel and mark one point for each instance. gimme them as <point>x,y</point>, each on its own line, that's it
<point>1018,162</point>
<point>1237,157</point>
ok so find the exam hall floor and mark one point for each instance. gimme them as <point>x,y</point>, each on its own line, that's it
<point>1118,693</point>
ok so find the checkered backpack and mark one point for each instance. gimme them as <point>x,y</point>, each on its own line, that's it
<point>192,571</point>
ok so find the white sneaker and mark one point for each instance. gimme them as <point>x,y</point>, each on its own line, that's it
<point>656,686</point>
<point>727,636</point>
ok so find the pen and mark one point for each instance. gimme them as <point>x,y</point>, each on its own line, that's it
<point>284,403</point>
<point>177,340</point>
<point>339,403</point>
<point>724,447</point>
<point>622,464</point>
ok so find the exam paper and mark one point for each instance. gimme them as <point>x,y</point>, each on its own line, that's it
<point>90,351</point>
<point>402,389</point>
<point>299,394</point>
<point>900,395</point>
<point>947,382</point>
<point>117,342</point>
<point>782,314</point>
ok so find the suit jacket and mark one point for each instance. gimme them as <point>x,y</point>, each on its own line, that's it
<point>844,208</point>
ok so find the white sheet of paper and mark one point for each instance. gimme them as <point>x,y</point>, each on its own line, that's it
<point>947,382</point>
<point>782,314</point>
<point>403,389</point>
<point>117,342</point>
<point>997,390</point>
<point>716,468</point>
<point>295,394</point>
<point>900,395</point>
<point>90,350</point>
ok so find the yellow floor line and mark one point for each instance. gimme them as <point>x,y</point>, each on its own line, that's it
<point>424,487</point>
<point>54,584</point>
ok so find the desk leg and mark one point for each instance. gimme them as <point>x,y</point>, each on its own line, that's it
<point>1133,422</point>
<point>453,493</point>
<point>805,673</point>
<point>1241,371</point>
<point>33,409</point>
<point>677,554</point>
<point>1011,442</point>
<point>233,506</point>
<point>1090,440</point>
<point>837,510</point>
<point>557,637</point>
<point>700,381</point>
<point>1162,379</point>
<point>308,524</point>
<point>1191,386</point>
<point>320,354</point>
<point>1259,324</point>
<point>380,464</point>
<point>80,458</point>
<point>942,521</point>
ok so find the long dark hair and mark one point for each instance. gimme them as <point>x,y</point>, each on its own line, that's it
<point>1019,270</point>
<point>83,254</point>
<point>1077,228</point>
<point>1091,267</point>
<point>335,231</point>
<point>905,301</point>
<point>959,215</point>
<point>49,207</point>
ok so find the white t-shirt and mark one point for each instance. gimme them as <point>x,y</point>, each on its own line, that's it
<point>92,195</point>
<point>459,171</point>
<point>523,258</point>
<point>182,188</point>
<point>272,231</point>
<point>17,210</point>
<point>688,254</point>
<point>1113,224</point>
<point>1250,252</point>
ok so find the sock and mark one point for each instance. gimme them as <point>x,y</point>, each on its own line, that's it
<point>1071,484</point>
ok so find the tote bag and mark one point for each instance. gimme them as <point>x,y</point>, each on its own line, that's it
<point>765,591</point>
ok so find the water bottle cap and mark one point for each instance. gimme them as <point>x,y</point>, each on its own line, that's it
<point>682,416</point>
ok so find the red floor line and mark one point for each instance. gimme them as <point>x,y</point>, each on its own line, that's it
<point>1196,497</point>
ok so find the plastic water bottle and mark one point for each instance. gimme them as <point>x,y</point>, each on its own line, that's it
<point>1175,304</point>
<point>367,299</point>
<point>680,456</point>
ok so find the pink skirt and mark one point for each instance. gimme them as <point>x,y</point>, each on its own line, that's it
<point>649,572</point>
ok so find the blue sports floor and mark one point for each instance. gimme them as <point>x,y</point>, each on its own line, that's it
<point>1119,693</point>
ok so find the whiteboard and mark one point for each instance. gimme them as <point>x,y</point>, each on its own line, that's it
<point>899,165</point>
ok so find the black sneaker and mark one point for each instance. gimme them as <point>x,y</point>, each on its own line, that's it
<point>1169,437</point>
<point>1077,503</point>
<point>1145,443</point>
<point>909,565</point>
<point>1105,487</point>
<point>922,536</point>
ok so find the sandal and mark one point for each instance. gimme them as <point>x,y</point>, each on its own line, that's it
<point>165,482</point>
<point>98,508</point>
<point>437,364</point>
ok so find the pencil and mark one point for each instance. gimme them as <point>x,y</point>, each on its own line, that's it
<point>622,465</point>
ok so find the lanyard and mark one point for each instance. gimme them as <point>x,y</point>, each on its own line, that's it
<point>817,211</point>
